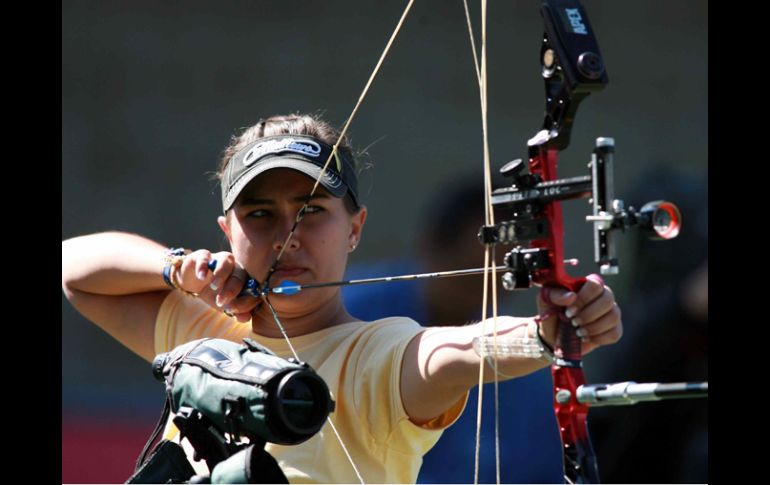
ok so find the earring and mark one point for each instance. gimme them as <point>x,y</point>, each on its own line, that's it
<point>353,247</point>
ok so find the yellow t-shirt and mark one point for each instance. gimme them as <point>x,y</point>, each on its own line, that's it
<point>361,364</point>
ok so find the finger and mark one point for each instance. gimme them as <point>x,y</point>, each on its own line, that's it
<point>550,302</point>
<point>243,317</point>
<point>201,258</point>
<point>242,304</point>
<point>606,323</point>
<point>225,262</point>
<point>230,289</point>
<point>594,310</point>
<point>592,289</point>
<point>551,296</point>
<point>186,276</point>
<point>603,332</point>
<point>596,278</point>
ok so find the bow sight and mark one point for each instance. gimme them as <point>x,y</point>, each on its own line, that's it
<point>572,68</point>
<point>526,197</point>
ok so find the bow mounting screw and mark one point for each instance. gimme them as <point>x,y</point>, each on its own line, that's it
<point>548,58</point>
<point>509,283</point>
<point>563,396</point>
<point>549,64</point>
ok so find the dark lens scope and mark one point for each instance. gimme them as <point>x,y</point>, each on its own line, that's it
<point>298,407</point>
<point>660,220</point>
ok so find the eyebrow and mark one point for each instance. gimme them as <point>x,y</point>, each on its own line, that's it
<point>301,198</point>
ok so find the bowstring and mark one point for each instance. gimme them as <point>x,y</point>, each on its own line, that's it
<point>489,254</point>
<point>301,212</point>
<point>490,274</point>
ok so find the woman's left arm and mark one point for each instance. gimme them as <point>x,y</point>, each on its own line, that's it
<point>440,364</point>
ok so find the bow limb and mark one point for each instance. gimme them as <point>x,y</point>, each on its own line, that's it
<point>563,94</point>
<point>567,369</point>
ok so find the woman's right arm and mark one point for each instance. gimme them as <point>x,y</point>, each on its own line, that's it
<point>115,280</point>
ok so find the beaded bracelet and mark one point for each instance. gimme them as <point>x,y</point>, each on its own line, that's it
<point>173,259</point>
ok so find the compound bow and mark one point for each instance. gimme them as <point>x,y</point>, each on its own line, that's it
<point>572,68</point>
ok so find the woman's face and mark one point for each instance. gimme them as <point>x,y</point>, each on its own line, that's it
<point>261,219</point>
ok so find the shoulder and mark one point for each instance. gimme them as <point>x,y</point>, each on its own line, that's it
<point>382,341</point>
<point>360,339</point>
<point>391,327</point>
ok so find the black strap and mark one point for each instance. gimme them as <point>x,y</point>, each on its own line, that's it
<point>263,467</point>
<point>158,428</point>
<point>167,464</point>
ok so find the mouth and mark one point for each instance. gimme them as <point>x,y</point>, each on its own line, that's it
<point>283,272</point>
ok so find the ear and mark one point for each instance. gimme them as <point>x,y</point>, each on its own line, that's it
<point>224,222</point>
<point>357,221</point>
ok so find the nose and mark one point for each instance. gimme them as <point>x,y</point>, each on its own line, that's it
<point>286,235</point>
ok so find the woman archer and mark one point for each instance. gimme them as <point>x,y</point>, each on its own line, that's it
<point>397,384</point>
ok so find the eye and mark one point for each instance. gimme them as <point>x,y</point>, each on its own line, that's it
<point>258,213</point>
<point>313,209</point>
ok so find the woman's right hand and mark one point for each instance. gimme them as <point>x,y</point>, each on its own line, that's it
<point>220,287</point>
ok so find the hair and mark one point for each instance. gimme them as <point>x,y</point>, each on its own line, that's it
<point>292,124</point>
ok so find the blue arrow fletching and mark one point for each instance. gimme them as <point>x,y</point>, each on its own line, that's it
<point>286,288</point>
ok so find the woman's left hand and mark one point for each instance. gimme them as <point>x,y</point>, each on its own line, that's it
<point>592,311</point>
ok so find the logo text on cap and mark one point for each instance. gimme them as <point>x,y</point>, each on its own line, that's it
<point>268,147</point>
